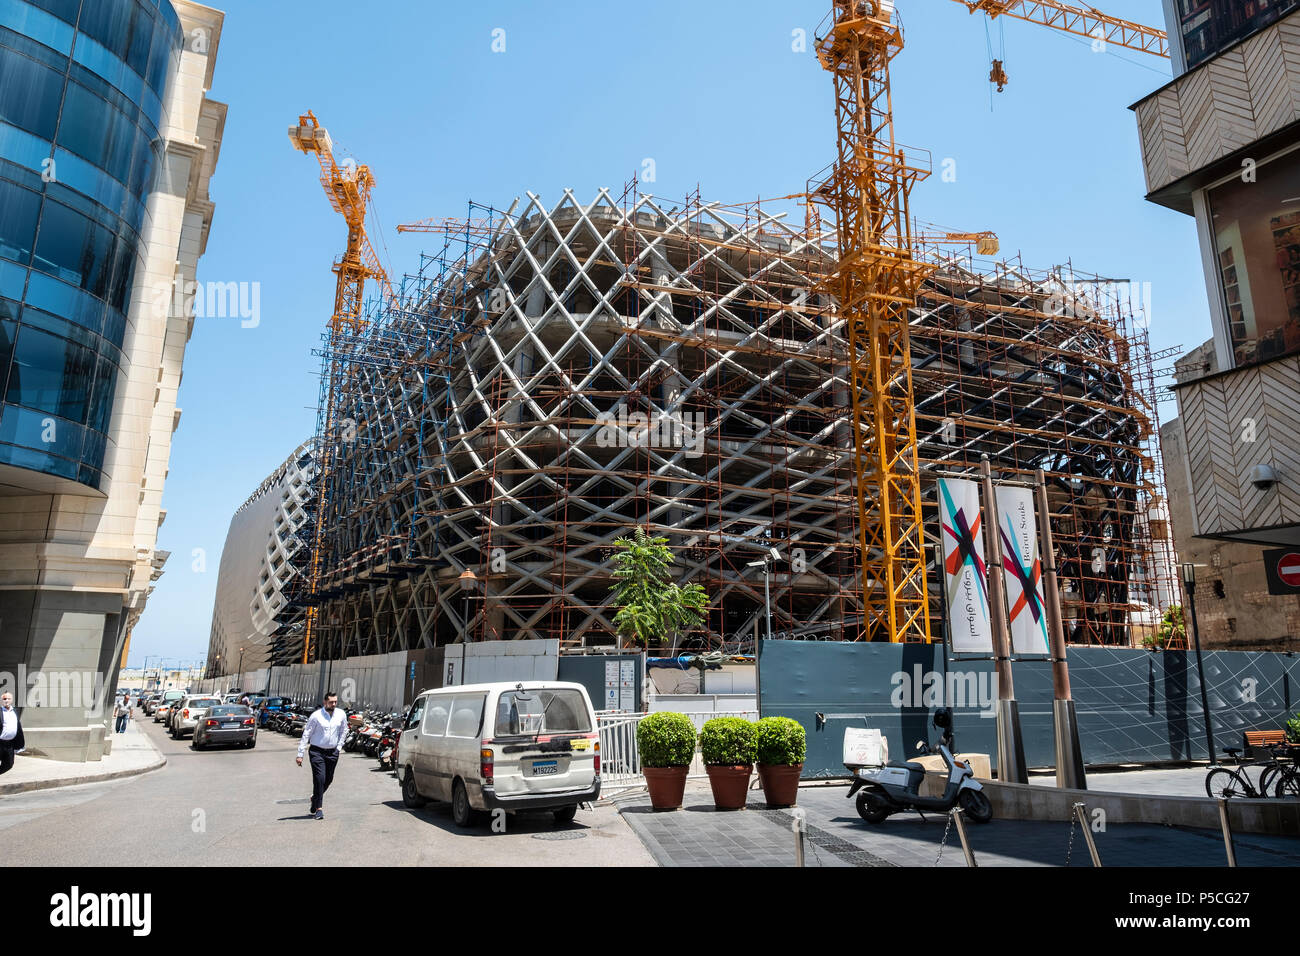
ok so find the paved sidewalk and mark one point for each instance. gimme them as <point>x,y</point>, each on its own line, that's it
<point>133,753</point>
<point>1175,782</point>
<point>836,836</point>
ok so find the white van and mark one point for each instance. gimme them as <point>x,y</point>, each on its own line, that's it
<point>529,745</point>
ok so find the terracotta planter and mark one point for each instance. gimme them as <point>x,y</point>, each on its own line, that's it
<point>780,784</point>
<point>667,786</point>
<point>730,786</point>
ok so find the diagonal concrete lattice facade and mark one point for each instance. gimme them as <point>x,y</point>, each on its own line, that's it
<point>560,374</point>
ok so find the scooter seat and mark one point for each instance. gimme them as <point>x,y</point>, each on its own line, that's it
<point>906,766</point>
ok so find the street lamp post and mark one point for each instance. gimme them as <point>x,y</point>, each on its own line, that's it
<point>468,584</point>
<point>766,565</point>
<point>1189,582</point>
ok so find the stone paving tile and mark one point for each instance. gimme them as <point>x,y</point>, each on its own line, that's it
<point>906,839</point>
<point>837,836</point>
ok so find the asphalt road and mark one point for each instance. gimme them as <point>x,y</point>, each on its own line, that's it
<point>234,807</point>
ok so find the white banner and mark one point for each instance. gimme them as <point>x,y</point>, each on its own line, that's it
<point>965,574</point>
<point>1022,569</point>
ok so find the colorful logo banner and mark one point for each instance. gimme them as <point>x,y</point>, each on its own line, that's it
<point>964,568</point>
<point>1022,569</point>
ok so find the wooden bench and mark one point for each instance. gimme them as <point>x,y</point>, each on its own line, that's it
<point>1259,742</point>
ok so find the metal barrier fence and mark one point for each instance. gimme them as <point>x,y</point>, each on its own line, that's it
<point>620,763</point>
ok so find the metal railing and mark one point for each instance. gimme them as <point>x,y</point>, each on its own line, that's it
<point>620,762</point>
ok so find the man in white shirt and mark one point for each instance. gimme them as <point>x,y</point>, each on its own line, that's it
<point>323,736</point>
<point>11,733</point>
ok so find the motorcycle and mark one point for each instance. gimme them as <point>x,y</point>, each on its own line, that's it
<point>894,787</point>
<point>388,750</point>
<point>374,740</point>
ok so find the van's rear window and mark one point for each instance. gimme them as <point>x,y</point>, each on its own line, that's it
<point>531,712</point>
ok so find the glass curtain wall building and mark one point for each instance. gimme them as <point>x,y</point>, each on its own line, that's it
<point>107,143</point>
<point>81,105</point>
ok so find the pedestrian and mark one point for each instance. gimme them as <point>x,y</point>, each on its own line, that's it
<point>11,733</point>
<point>121,712</point>
<point>323,734</point>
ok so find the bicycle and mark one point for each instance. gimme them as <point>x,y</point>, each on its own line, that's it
<point>1281,776</point>
<point>1228,783</point>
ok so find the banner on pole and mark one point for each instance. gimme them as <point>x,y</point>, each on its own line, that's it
<point>1022,570</point>
<point>965,573</point>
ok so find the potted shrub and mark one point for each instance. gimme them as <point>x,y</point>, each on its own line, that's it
<point>781,745</point>
<point>727,746</point>
<point>666,744</point>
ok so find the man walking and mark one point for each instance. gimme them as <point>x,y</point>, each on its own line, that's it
<point>323,734</point>
<point>121,712</point>
<point>11,733</point>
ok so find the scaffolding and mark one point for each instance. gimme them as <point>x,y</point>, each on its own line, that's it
<point>558,375</point>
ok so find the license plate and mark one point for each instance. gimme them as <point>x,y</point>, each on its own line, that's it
<point>541,768</point>
<point>229,726</point>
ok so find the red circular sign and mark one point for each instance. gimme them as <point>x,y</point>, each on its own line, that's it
<point>1288,569</point>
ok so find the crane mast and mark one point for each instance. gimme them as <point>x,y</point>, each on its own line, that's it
<point>348,187</point>
<point>876,281</point>
<point>878,276</point>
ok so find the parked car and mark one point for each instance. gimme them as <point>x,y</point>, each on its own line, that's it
<point>226,724</point>
<point>149,702</point>
<point>168,698</point>
<point>509,746</point>
<point>186,714</point>
<point>270,706</point>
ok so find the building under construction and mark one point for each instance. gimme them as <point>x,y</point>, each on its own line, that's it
<point>557,375</point>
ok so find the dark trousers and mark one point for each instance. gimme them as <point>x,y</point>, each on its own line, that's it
<point>322,774</point>
<point>121,723</point>
<point>6,756</point>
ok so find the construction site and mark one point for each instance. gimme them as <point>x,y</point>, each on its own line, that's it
<point>772,382</point>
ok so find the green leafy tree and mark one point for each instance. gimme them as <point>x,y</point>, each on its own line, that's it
<point>1171,629</point>
<point>650,604</point>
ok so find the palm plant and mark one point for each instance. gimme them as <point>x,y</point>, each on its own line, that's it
<point>650,604</point>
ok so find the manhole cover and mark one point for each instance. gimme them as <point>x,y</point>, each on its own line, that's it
<point>561,835</point>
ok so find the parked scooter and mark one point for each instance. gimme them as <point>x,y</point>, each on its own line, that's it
<point>388,747</point>
<point>894,787</point>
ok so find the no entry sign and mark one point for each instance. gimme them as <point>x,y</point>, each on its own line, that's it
<point>1283,569</point>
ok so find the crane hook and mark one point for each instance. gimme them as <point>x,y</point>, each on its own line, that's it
<point>998,75</point>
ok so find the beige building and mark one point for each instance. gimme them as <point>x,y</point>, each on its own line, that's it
<point>1221,143</point>
<point>78,529</point>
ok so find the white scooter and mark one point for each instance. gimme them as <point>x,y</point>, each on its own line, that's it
<point>894,787</point>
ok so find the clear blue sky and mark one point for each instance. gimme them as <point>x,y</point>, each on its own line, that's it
<point>711,90</point>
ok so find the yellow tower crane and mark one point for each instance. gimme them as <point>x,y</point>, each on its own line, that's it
<point>348,186</point>
<point>877,278</point>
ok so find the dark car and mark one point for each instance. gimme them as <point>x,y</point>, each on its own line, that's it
<point>226,724</point>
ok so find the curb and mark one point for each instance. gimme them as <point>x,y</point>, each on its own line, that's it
<point>28,786</point>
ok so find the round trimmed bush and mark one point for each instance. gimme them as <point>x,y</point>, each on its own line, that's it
<point>781,742</point>
<point>665,739</point>
<point>728,742</point>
